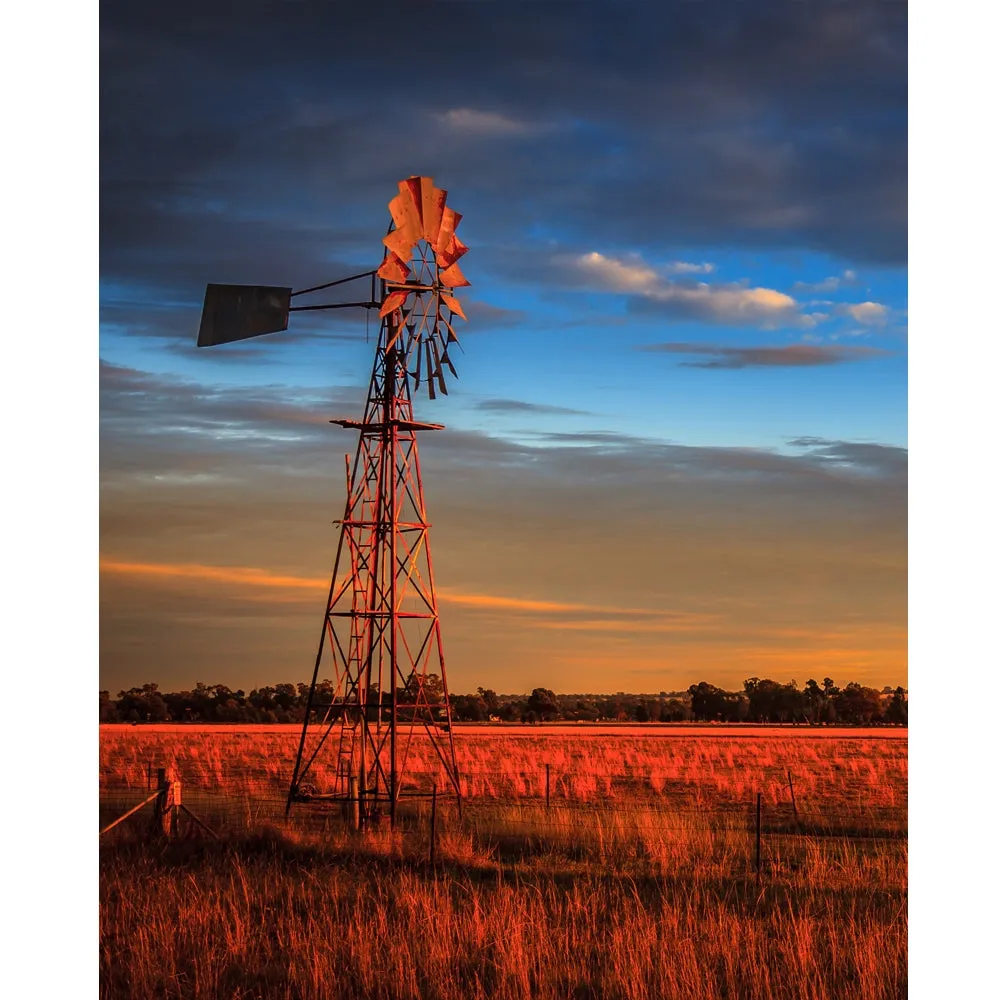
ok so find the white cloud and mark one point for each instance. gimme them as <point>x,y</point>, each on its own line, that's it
<point>831,284</point>
<point>868,313</point>
<point>683,267</point>
<point>719,303</point>
<point>475,122</point>
<point>620,276</point>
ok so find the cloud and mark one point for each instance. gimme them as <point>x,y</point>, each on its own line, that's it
<point>831,284</point>
<point>520,406</point>
<point>757,126</point>
<point>485,316</point>
<point>651,290</point>
<point>867,313</point>
<point>240,576</point>
<point>865,456</point>
<point>244,576</point>
<point>620,276</point>
<point>491,123</point>
<point>684,267</point>
<point>790,356</point>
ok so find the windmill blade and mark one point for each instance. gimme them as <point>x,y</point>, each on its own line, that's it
<point>437,370</point>
<point>238,312</point>
<point>453,277</point>
<point>430,372</point>
<point>411,189</point>
<point>407,347</point>
<point>405,210</point>
<point>452,337</point>
<point>393,301</point>
<point>431,208</point>
<point>400,243</point>
<point>449,223</point>
<point>416,376</point>
<point>447,361</point>
<point>393,269</point>
<point>455,249</point>
<point>453,304</point>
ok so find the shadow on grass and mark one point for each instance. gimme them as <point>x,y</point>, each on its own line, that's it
<point>740,890</point>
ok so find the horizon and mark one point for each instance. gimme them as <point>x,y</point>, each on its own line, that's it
<point>674,693</point>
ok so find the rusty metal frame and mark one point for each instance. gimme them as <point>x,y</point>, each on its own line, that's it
<point>381,632</point>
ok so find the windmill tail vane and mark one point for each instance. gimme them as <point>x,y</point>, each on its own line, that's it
<point>378,699</point>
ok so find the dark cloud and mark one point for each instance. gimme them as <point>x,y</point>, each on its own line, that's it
<point>790,356</point>
<point>877,458</point>
<point>261,146</point>
<point>484,316</point>
<point>272,427</point>
<point>519,406</point>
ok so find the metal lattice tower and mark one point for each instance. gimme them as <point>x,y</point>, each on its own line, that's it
<point>380,643</point>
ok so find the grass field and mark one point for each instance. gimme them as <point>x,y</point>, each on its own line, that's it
<point>639,881</point>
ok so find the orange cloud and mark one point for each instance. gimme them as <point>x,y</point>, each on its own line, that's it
<point>678,623</point>
<point>240,575</point>
<point>251,577</point>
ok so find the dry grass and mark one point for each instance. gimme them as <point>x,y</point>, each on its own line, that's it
<point>638,896</point>
<point>836,773</point>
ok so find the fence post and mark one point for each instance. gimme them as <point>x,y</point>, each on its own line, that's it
<point>167,802</point>
<point>434,801</point>
<point>758,836</point>
<point>791,788</point>
<point>354,794</point>
<point>173,800</point>
<point>546,787</point>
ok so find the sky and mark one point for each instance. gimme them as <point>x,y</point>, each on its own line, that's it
<point>677,448</point>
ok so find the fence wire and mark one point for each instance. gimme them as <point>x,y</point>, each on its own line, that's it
<point>624,818</point>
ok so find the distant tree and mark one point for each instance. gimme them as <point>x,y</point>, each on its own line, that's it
<point>108,710</point>
<point>511,711</point>
<point>675,710</point>
<point>584,711</point>
<point>285,696</point>
<point>468,708</point>
<point>897,709</point>
<point>143,704</point>
<point>859,705</point>
<point>430,684</point>
<point>490,700</point>
<point>769,701</point>
<point>543,703</point>
<point>647,710</point>
<point>708,702</point>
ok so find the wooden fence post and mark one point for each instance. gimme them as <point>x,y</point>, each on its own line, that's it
<point>758,836</point>
<point>434,801</point>
<point>546,787</point>
<point>355,797</point>
<point>168,802</point>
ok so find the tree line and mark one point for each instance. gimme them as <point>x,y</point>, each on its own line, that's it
<point>759,701</point>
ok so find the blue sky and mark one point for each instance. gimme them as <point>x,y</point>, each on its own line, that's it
<point>688,260</point>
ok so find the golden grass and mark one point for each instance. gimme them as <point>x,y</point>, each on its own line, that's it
<point>614,894</point>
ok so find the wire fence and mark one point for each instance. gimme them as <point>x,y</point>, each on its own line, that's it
<point>759,828</point>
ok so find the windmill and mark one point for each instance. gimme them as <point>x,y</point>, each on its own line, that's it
<point>380,640</point>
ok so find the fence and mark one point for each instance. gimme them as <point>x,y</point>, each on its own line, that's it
<point>771,832</point>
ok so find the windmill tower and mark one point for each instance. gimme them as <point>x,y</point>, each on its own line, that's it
<point>378,697</point>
